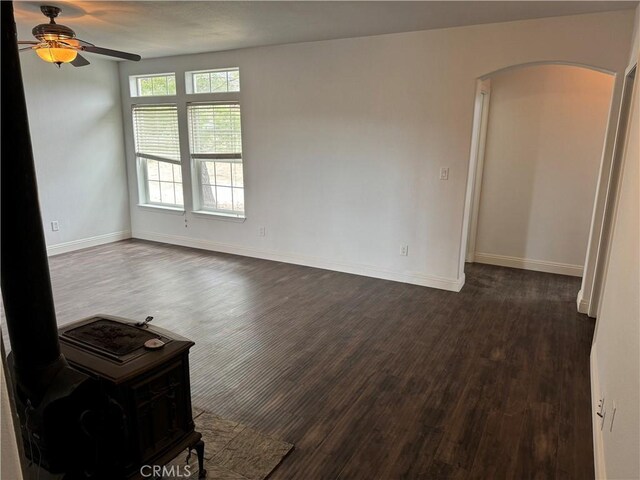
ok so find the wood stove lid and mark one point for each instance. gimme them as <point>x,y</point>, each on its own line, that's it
<point>115,347</point>
<point>113,337</point>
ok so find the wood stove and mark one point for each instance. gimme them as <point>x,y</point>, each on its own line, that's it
<point>144,371</point>
<point>120,402</point>
<point>93,400</point>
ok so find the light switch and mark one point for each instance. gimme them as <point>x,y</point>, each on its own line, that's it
<point>444,173</point>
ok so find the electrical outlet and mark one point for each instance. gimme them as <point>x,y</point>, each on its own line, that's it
<point>444,173</point>
<point>262,232</point>
<point>54,226</point>
<point>404,250</point>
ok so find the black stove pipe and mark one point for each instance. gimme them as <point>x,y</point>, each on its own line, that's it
<point>67,422</point>
<point>25,280</point>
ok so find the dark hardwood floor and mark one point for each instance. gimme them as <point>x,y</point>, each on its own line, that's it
<point>370,379</point>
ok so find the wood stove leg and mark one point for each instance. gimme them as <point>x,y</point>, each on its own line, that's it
<point>199,448</point>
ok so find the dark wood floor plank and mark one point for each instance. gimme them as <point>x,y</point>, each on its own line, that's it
<point>368,378</point>
<point>496,458</point>
<point>443,471</point>
<point>538,449</point>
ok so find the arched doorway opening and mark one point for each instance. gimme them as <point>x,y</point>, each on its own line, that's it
<point>533,211</point>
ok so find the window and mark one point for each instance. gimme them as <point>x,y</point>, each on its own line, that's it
<point>213,81</point>
<point>157,147</point>
<point>216,153</point>
<point>215,176</point>
<point>153,85</point>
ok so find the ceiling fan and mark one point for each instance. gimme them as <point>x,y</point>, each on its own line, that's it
<point>58,43</point>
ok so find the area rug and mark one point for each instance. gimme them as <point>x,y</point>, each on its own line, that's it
<point>233,451</point>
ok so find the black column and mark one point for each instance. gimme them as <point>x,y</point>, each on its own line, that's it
<point>26,285</point>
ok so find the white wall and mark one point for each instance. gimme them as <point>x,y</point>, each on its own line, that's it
<point>344,139</point>
<point>545,139</point>
<point>615,356</point>
<point>75,119</point>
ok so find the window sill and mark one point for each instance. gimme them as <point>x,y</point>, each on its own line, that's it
<point>161,208</point>
<point>219,216</point>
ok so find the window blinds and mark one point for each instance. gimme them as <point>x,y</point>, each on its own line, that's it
<point>156,132</point>
<point>215,130</point>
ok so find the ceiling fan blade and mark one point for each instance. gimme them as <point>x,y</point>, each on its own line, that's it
<point>83,42</point>
<point>111,53</point>
<point>25,49</point>
<point>70,42</point>
<point>80,61</point>
<point>28,43</point>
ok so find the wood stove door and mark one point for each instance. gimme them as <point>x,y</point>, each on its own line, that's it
<point>162,411</point>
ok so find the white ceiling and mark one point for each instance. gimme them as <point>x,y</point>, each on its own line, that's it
<point>158,29</point>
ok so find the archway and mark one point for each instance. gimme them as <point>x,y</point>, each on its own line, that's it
<point>474,180</point>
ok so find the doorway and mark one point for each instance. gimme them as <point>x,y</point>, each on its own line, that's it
<point>538,138</point>
<point>592,284</point>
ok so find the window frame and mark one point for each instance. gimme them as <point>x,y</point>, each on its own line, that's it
<point>197,160</point>
<point>134,85</point>
<point>142,167</point>
<point>144,198</point>
<point>191,185</point>
<point>190,75</point>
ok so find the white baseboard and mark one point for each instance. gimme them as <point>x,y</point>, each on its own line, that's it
<point>529,264</point>
<point>582,303</point>
<point>598,446</point>
<point>432,281</point>
<point>73,245</point>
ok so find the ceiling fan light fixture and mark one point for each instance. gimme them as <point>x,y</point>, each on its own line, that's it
<point>58,44</point>
<point>57,55</point>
